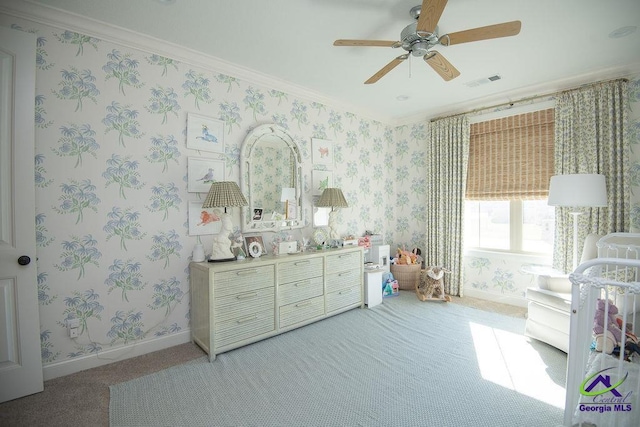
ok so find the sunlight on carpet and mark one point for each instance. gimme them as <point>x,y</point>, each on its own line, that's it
<point>404,362</point>
<point>509,360</point>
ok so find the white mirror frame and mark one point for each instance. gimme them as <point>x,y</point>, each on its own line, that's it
<point>250,142</point>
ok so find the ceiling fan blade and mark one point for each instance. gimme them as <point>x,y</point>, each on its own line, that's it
<point>441,65</point>
<point>384,70</point>
<point>377,43</point>
<point>430,14</point>
<point>505,29</point>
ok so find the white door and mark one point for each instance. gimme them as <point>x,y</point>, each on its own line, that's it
<point>20,361</point>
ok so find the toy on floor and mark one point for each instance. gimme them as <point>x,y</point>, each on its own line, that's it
<point>390,287</point>
<point>431,281</point>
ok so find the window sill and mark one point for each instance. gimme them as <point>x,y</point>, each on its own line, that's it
<point>528,257</point>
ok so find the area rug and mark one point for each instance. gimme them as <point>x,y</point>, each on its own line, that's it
<point>402,363</point>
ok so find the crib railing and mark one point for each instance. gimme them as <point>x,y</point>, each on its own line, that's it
<point>613,278</point>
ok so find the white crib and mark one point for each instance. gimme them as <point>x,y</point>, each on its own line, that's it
<point>604,389</point>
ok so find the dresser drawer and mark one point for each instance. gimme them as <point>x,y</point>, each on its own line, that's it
<point>298,291</point>
<point>342,280</point>
<point>343,298</point>
<point>341,262</point>
<point>243,280</point>
<point>301,311</point>
<point>295,270</point>
<point>243,304</point>
<point>243,328</point>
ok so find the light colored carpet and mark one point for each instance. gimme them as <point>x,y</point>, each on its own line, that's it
<point>405,362</point>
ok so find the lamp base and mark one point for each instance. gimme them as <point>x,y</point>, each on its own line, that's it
<point>222,259</point>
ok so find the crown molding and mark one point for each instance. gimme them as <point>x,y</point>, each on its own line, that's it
<point>64,20</point>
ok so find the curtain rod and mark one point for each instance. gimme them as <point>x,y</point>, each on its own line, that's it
<point>531,98</point>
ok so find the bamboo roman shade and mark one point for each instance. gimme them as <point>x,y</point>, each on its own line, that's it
<point>511,158</point>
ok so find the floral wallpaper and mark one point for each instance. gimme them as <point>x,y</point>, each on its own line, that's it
<point>112,226</point>
<point>111,181</point>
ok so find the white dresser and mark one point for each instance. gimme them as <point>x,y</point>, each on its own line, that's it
<point>240,302</point>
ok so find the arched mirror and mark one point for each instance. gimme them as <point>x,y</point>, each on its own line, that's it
<point>271,178</point>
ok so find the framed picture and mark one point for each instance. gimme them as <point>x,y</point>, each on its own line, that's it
<point>320,181</point>
<point>203,221</point>
<point>202,172</point>
<point>250,246</point>
<point>257,214</point>
<point>205,133</point>
<point>322,152</point>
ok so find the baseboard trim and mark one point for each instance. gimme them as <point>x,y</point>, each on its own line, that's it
<point>82,363</point>
<point>504,299</point>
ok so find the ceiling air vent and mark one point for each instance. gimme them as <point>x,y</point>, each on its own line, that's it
<point>483,80</point>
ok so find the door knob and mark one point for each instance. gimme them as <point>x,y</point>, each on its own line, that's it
<point>24,260</point>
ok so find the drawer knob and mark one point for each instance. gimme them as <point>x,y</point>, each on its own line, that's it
<point>243,272</point>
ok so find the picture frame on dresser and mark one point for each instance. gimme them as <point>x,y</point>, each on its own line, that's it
<point>250,246</point>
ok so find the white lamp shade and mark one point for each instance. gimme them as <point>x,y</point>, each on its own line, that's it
<point>578,190</point>
<point>288,194</point>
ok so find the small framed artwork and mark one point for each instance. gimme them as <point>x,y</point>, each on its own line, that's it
<point>320,181</point>
<point>254,246</point>
<point>205,133</point>
<point>203,221</point>
<point>322,152</point>
<point>257,214</point>
<point>202,172</point>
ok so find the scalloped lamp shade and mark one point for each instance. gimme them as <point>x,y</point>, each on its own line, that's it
<point>332,198</point>
<point>224,194</point>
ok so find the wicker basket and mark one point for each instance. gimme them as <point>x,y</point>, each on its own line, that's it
<point>407,275</point>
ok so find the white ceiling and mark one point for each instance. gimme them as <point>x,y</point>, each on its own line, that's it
<point>563,43</point>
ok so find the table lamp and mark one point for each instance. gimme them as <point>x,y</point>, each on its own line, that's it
<point>223,194</point>
<point>577,190</point>
<point>332,198</point>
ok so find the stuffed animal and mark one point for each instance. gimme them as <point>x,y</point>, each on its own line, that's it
<point>607,340</point>
<point>431,281</point>
<point>406,257</point>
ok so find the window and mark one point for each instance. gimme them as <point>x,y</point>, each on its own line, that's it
<point>514,226</point>
<point>510,164</point>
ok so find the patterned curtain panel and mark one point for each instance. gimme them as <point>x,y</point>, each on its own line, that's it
<point>447,161</point>
<point>591,137</point>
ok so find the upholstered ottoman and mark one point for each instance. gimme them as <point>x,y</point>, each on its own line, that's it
<point>548,317</point>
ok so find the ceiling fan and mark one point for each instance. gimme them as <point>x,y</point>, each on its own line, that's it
<point>419,38</point>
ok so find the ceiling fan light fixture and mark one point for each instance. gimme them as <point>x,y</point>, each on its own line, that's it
<point>420,48</point>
